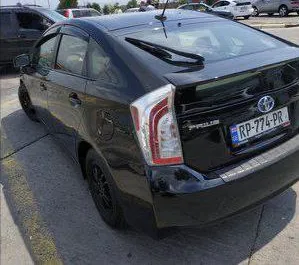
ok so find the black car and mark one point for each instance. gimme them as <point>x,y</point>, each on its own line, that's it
<point>172,123</point>
<point>20,27</point>
<point>202,7</point>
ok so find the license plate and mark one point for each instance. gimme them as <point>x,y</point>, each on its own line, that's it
<point>243,132</point>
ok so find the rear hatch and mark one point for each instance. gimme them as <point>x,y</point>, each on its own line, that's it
<point>242,5</point>
<point>212,103</point>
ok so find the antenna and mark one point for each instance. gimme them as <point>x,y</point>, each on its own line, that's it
<point>161,17</point>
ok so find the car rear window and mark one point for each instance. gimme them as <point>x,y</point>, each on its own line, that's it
<point>81,13</point>
<point>214,41</point>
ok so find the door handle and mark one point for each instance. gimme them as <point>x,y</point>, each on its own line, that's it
<point>22,36</point>
<point>74,100</point>
<point>43,86</point>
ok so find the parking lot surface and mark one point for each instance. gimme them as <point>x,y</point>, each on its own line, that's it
<point>48,216</point>
<point>293,18</point>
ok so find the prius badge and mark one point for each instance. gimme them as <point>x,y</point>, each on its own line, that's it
<point>266,104</point>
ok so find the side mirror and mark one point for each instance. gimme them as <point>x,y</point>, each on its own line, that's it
<point>21,61</point>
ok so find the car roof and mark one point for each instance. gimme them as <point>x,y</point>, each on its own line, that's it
<point>75,9</point>
<point>127,20</point>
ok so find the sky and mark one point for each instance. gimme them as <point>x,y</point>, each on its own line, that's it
<point>54,3</point>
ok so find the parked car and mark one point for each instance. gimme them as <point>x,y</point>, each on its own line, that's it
<point>172,123</point>
<point>20,27</point>
<point>202,7</point>
<point>237,8</point>
<point>79,12</point>
<point>132,10</point>
<point>282,7</point>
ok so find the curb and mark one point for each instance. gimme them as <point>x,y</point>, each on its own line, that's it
<point>273,26</point>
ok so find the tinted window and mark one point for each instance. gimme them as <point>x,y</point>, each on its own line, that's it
<point>31,21</point>
<point>214,40</point>
<point>218,4</point>
<point>5,24</point>
<point>81,13</point>
<point>187,7</point>
<point>99,65</point>
<point>71,54</point>
<point>94,13</point>
<point>44,54</point>
<point>53,15</point>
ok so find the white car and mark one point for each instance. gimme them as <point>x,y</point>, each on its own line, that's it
<point>237,8</point>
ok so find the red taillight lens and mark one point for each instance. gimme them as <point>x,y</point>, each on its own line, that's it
<point>66,13</point>
<point>156,127</point>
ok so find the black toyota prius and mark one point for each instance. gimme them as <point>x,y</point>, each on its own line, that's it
<point>176,120</point>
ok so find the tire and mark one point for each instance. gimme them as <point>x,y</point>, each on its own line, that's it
<point>283,11</point>
<point>270,14</point>
<point>246,17</point>
<point>103,191</point>
<point>255,12</point>
<point>298,12</point>
<point>26,104</point>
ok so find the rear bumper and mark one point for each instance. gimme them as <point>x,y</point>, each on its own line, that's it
<point>184,197</point>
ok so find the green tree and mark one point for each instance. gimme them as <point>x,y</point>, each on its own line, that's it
<point>132,4</point>
<point>96,6</point>
<point>183,2</point>
<point>106,10</point>
<point>67,4</point>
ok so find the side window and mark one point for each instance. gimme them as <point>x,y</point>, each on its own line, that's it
<point>225,3</point>
<point>218,4</point>
<point>31,21</point>
<point>187,7</point>
<point>99,65</point>
<point>71,54</point>
<point>5,24</point>
<point>44,53</point>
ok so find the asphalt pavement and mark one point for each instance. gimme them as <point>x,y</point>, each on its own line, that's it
<point>48,216</point>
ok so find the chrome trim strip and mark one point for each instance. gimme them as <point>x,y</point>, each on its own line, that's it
<point>261,161</point>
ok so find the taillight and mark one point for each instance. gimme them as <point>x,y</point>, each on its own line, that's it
<point>156,127</point>
<point>66,13</point>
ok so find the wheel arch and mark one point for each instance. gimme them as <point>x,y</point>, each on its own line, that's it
<point>82,150</point>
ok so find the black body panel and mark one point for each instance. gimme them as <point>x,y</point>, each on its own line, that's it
<point>232,100</point>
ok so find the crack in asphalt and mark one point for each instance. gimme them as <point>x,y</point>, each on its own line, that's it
<point>257,233</point>
<point>24,146</point>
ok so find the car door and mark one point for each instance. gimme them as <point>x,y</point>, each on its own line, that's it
<point>267,5</point>
<point>66,93</point>
<point>39,75</point>
<point>30,28</point>
<point>9,41</point>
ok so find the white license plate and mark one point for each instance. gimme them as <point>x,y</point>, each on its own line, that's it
<point>241,133</point>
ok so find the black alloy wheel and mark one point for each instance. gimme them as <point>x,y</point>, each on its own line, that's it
<point>283,11</point>
<point>103,191</point>
<point>255,12</point>
<point>26,104</point>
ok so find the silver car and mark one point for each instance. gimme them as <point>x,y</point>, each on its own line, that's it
<point>283,7</point>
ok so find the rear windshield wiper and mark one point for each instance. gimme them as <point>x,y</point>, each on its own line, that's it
<point>165,53</point>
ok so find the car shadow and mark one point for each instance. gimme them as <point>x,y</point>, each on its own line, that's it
<point>8,71</point>
<point>61,220</point>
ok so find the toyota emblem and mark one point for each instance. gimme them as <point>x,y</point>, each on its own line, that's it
<point>266,104</point>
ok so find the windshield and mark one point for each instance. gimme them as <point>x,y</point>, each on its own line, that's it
<point>53,15</point>
<point>214,41</point>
